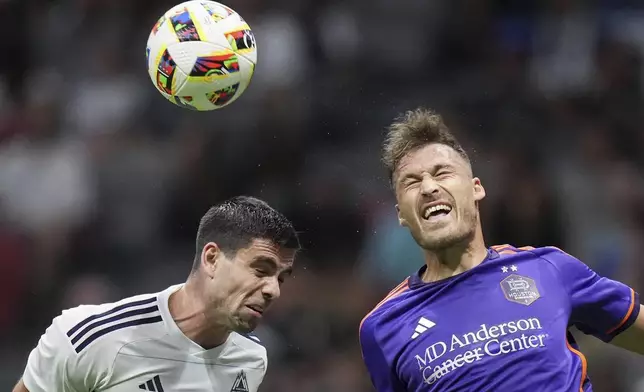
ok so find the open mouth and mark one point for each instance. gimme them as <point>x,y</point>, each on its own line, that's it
<point>436,211</point>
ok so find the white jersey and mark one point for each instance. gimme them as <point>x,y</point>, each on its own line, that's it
<point>135,345</point>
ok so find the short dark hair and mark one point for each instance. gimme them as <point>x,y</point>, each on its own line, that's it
<point>236,222</point>
<point>415,129</point>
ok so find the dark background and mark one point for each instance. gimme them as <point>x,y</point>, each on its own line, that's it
<point>102,181</point>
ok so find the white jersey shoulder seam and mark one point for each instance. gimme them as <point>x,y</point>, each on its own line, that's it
<point>118,352</point>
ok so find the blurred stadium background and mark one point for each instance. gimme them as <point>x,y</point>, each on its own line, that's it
<point>102,181</point>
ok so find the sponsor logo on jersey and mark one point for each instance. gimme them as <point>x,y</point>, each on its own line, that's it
<point>441,358</point>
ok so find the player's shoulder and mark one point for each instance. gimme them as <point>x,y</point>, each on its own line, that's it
<point>107,327</point>
<point>249,342</point>
<point>370,319</point>
<point>548,256</point>
<point>506,250</point>
<point>81,345</point>
<point>250,347</point>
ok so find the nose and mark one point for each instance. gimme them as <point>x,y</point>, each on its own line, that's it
<point>271,289</point>
<point>428,186</point>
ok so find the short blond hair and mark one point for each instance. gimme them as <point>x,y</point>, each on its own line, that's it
<point>415,129</point>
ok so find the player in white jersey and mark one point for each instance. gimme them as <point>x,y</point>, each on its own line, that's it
<point>189,337</point>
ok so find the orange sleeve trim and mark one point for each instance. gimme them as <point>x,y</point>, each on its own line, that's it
<point>401,284</point>
<point>401,288</point>
<point>628,314</point>
<point>508,247</point>
<point>584,364</point>
<point>510,250</point>
<point>507,252</point>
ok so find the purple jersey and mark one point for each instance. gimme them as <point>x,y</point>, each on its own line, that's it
<point>501,326</point>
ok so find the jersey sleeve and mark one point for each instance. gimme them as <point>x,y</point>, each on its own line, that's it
<point>600,306</point>
<point>54,366</point>
<point>382,375</point>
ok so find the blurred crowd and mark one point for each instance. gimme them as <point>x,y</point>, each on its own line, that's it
<point>103,182</point>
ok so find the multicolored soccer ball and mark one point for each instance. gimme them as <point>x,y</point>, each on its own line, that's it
<point>201,55</point>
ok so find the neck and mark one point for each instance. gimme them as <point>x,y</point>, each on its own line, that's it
<point>189,310</point>
<point>454,260</point>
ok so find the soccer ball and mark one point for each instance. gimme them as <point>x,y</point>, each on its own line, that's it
<point>201,55</point>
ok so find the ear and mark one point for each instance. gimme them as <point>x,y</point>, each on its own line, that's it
<point>479,191</point>
<point>401,221</point>
<point>210,254</point>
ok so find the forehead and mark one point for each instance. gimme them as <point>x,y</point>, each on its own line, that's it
<point>430,156</point>
<point>265,249</point>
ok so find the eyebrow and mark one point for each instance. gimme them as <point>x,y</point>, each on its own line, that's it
<point>273,263</point>
<point>434,168</point>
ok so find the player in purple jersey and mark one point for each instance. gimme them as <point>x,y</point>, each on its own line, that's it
<point>475,318</point>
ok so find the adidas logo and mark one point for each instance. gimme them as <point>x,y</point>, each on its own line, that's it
<point>423,325</point>
<point>153,385</point>
<point>240,384</point>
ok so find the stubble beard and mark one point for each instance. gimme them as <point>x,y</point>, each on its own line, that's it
<point>243,326</point>
<point>460,236</point>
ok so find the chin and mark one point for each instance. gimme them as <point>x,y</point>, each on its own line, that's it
<point>245,327</point>
<point>443,240</point>
<point>437,244</point>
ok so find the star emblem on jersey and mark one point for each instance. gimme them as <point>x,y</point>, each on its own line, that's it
<point>422,326</point>
<point>240,384</point>
<point>152,385</point>
<point>512,268</point>
<point>520,289</point>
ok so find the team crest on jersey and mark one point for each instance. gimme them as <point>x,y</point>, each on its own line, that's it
<point>520,289</point>
<point>240,384</point>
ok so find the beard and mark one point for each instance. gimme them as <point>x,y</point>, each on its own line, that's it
<point>435,243</point>
<point>244,328</point>
<point>242,324</point>
<point>454,235</point>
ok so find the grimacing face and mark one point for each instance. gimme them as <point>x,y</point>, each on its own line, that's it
<point>243,285</point>
<point>437,196</point>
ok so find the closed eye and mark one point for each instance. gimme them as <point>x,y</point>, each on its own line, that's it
<point>260,272</point>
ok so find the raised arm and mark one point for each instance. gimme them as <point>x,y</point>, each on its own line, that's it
<point>632,338</point>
